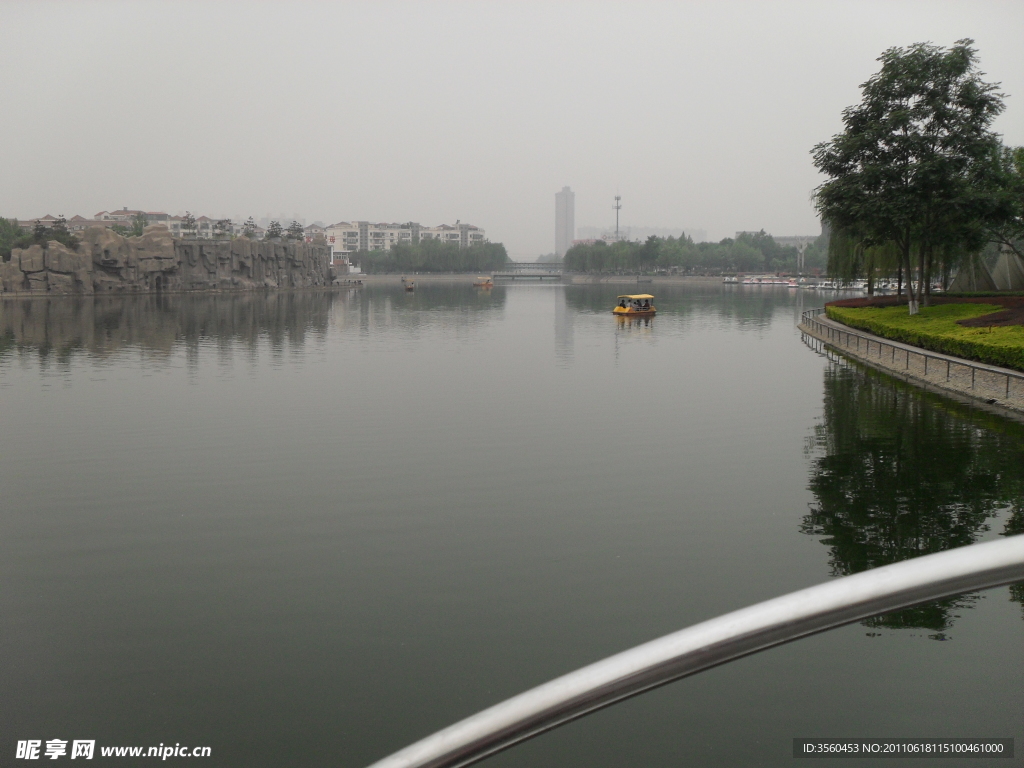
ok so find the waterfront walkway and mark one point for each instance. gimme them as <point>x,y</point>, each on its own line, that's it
<point>1000,388</point>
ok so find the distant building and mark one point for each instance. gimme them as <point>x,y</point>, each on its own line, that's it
<point>74,224</point>
<point>463,234</point>
<point>80,223</point>
<point>47,221</point>
<point>122,216</point>
<point>205,227</point>
<point>343,237</point>
<point>797,241</point>
<point>347,237</point>
<point>565,221</point>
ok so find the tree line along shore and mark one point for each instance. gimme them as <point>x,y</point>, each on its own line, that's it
<point>748,252</point>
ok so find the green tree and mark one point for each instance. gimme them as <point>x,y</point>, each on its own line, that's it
<point>222,228</point>
<point>1007,229</point>
<point>188,224</point>
<point>850,256</point>
<point>295,231</point>
<point>274,230</point>
<point>13,236</point>
<point>249,228</point>
<point>913,165</point>
<point>648,253</point>
<point>138,224</point>
<point>10,234</point>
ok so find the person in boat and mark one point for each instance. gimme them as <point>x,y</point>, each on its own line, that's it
<point>622,303</point>
<point>647,303</point>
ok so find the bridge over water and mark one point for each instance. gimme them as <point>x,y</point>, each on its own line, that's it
<point>530,270</point>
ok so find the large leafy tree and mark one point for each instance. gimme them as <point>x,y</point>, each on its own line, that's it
<point>914,166</point>
<point>1007,230</point>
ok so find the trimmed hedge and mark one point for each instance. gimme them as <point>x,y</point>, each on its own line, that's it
<point>935,328</point>
<point>983,294</point>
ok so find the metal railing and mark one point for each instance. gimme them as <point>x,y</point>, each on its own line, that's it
<point>715,642</point>
<point>836,336</point>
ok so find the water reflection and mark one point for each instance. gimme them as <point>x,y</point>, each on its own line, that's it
<point>386,305</point>
<point>714,302</point>
<point>55,328</point>
<point>632,323</point>
<point>155,323</point>
<point>564,337</point>
<point>904,473</point>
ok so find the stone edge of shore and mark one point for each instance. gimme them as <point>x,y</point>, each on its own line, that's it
<point>990,395</point>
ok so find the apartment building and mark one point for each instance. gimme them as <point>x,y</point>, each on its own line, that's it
<point>463,234</point>
<point>347,237</point>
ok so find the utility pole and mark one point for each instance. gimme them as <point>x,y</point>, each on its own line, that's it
<point>618,207</point>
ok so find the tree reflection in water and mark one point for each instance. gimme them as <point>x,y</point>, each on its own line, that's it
<point>902,473</point>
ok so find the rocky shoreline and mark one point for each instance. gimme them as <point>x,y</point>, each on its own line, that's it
<point>107,263</point>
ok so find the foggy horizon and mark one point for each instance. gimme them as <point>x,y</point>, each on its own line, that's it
<point>701,116</point>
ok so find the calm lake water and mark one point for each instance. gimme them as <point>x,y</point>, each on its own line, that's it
<point>309,528</point>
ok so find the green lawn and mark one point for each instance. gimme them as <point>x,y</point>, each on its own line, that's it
<point>935,328</point>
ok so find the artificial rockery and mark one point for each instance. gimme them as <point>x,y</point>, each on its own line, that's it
<point>105,262</point>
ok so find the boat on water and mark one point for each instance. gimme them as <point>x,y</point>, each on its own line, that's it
<point>409,284</point>
<point>634,305</point>
<point>483,282</point>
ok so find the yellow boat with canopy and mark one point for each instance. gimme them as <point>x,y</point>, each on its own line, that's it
<point>633,304</point>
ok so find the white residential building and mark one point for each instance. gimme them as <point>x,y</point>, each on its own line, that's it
<point>463,234</point>
<point>347,237</point>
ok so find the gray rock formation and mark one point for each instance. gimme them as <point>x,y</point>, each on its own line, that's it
<point>106,263</point>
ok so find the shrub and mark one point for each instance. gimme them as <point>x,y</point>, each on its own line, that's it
<point>936,328</point>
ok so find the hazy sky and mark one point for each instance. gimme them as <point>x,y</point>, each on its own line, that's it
<point>700,114</point>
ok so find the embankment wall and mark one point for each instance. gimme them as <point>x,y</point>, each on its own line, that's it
<point>999,389</point>
<point>107,263</point>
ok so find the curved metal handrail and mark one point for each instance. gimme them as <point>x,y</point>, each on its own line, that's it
<point>715,642</point>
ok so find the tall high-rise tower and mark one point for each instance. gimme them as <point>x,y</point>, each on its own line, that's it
<point>565,221</point>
